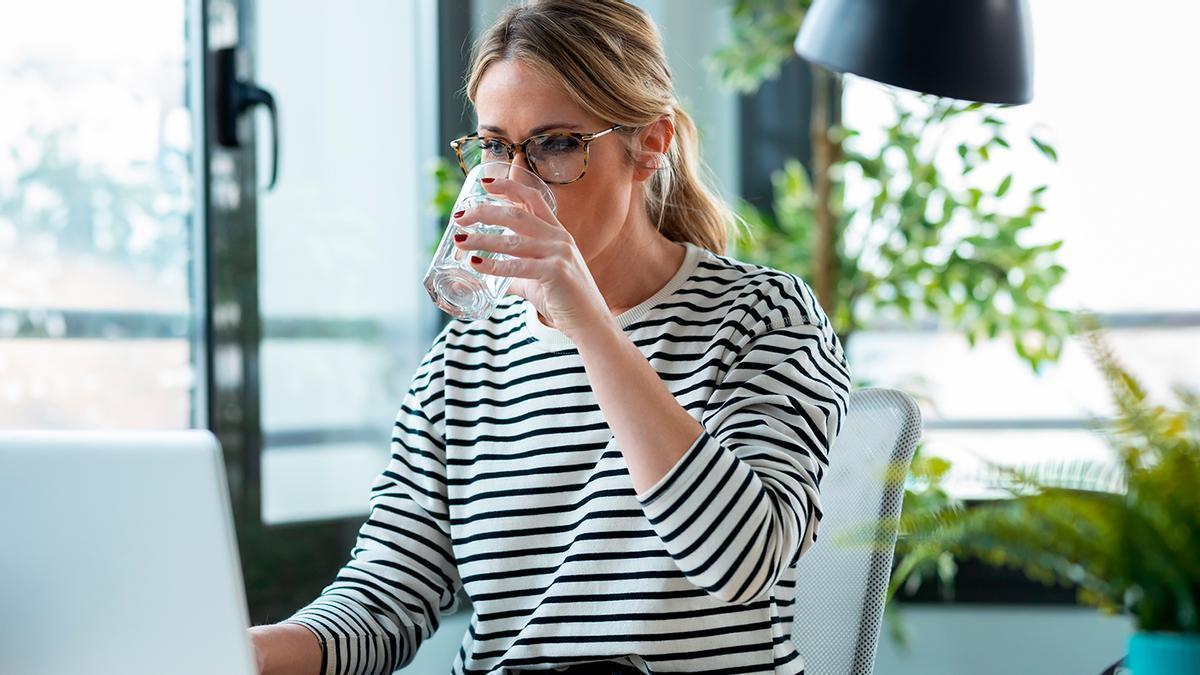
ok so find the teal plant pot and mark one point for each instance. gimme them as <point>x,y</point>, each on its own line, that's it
<point>1164,654</point>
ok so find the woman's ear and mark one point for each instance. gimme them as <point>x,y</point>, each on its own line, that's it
<point>651,154</point>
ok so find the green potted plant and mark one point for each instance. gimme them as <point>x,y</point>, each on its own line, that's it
<point>1126,534</point>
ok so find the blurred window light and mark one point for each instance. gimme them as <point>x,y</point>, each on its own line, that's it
<point>97,217</point>
<point>342,243</point>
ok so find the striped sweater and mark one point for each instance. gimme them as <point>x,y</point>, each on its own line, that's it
<point>505,481</point>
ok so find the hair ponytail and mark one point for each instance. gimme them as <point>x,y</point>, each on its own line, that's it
<point>679,200</point>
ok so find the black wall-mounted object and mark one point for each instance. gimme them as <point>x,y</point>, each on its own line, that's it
<point>233,97</point>
<point>973,50</point>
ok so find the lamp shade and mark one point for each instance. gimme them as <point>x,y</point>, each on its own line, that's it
<point>974,50</point>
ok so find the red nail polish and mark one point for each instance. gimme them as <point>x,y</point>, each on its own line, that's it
<point>460,237</point>
<point>476,259</point>
<point>458,214</point>
<point>486,180</point>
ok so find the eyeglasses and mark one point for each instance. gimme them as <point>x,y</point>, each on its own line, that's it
<point>557,158</point>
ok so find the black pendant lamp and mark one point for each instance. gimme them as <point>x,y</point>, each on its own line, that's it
<point>974,50</point>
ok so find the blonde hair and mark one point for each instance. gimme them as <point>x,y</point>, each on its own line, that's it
<point>608,56</point>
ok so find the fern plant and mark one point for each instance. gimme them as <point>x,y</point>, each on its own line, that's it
<point>1126,534</point>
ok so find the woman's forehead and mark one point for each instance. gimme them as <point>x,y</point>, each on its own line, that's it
<point>516,100</point>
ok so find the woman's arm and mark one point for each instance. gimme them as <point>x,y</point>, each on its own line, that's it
<point>735,500</point>
<point>285,649</point>
<point>651,427</point>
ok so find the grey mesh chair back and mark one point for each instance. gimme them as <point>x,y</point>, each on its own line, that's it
<point>840,588</point>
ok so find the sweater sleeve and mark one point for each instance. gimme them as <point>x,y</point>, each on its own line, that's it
<point>742,504</point>
<point>401,576</point>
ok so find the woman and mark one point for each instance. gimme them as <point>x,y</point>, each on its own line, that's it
<point>621,464</point>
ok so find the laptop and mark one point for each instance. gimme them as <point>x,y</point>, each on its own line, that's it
<point>118,555</point>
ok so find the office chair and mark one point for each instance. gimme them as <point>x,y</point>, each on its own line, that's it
<point>841,587</point>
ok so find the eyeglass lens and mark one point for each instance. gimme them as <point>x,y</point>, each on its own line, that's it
<point>554,158</point>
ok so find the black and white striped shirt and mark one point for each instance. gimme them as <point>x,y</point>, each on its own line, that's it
<point>505,480</point>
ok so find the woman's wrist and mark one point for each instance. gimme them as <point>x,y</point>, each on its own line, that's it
<point>285,649</point>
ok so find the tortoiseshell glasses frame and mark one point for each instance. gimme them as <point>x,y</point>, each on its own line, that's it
<point>511,149</point>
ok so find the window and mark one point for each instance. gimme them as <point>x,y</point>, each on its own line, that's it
<point>341,245</point>
<point>99,324</point>
<point>1122,121</point>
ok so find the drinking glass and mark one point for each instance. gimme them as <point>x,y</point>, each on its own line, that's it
<point>452,284</point>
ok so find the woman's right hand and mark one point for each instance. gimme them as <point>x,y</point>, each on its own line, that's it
<point>285,649</point>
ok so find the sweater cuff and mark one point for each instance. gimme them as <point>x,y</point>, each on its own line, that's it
<point>713,515</point>
<point>682,473</point>
<point>680,479</point>
<point>324,635</point>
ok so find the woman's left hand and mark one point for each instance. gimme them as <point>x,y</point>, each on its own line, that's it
<point>547,268</point>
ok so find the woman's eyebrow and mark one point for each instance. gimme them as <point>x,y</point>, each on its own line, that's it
<point>534,131</point>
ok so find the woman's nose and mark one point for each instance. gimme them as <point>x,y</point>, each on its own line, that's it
<point>519,159</point>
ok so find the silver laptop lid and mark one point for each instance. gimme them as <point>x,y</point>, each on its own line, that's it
<point>118,555</point>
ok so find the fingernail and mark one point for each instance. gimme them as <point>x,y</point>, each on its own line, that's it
<point>458,214</point>
<point>476,259</point>
<point>486,180</point>
<point>460,237</point>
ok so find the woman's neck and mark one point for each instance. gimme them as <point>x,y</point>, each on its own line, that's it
<point>629,273</point>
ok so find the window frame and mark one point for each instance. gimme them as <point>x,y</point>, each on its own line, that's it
<point>285,565</point>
